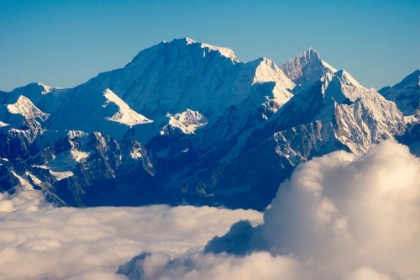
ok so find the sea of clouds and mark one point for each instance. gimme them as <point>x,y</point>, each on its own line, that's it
<point>340,216</point>
<point>39,241</point>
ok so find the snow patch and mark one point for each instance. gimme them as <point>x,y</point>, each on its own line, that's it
<point>34,179</point>
<point>76,134</point>
<point>226,52</point>
<point>65,161</point>
<point>412,119</point>
<point>124,115</point>
<point>23,182</point>
<point>47,89</point>
<point>61,175</point>
<point>78,155</point>
<point>188,121</point>
<point>135,154</point>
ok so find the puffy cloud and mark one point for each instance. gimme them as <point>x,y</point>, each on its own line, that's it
<point>340,216</point>
<point>38,241</point>
<point>340,212</point>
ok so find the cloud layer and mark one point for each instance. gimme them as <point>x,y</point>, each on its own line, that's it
<point>340,216</point>
<point>38,241</point>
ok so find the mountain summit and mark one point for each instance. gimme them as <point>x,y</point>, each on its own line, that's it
<point>307,67</point>
<point>406,94</point>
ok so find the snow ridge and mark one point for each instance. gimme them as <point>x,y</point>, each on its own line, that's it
<point>26,108</point>
<point>125,114</point>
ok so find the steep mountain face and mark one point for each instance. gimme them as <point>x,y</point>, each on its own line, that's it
<point>359,116</point>
<point>406,94</point>
<point>86,169</point>
<point>336,113</point>
<point>186,122</point>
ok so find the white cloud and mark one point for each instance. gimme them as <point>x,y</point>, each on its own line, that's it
<point>38,241</point>
<point>340,216</point>
<point>191,266</point>
<point>341,212</point>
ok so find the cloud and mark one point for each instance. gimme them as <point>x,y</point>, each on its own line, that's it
<point>39,241</point>
<point>341,211</point>
<point>340,216</point>
<point>197,265</point>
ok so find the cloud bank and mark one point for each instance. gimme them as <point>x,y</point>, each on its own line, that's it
<point>340,216</point>
<point>38,241</point>
<point>340,212</point>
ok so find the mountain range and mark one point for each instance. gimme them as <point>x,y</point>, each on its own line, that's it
<point>187,123</point>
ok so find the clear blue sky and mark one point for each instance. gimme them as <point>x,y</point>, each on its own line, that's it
<point>65,43</point>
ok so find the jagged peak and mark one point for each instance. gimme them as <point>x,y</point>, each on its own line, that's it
<point>310,54</point>
<point>306,68</point>
<point>266,70</point>
<point>25,107</point>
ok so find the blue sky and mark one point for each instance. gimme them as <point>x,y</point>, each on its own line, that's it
<point>65,43</point>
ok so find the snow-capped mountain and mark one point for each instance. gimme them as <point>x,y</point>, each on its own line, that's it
<point>187,122</point>
<point>406,94</point>
<point>306,68</point>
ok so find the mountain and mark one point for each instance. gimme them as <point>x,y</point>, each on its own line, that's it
<point>186,122</point>
<point>406,94</point>
<point>336,113</point>
<point>306,68</point>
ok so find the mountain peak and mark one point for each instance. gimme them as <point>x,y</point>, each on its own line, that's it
<point>36,87</point>
<point>406,94</point>
<point>310,54</point>
<point>226,52</point>
<point>306,68</point>
<point>190,41</point>
<point>186,45</point>
<point>411,81</point>
<point>26,108</point>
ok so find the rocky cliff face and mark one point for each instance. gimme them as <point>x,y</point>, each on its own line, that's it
<point>186,122</point>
